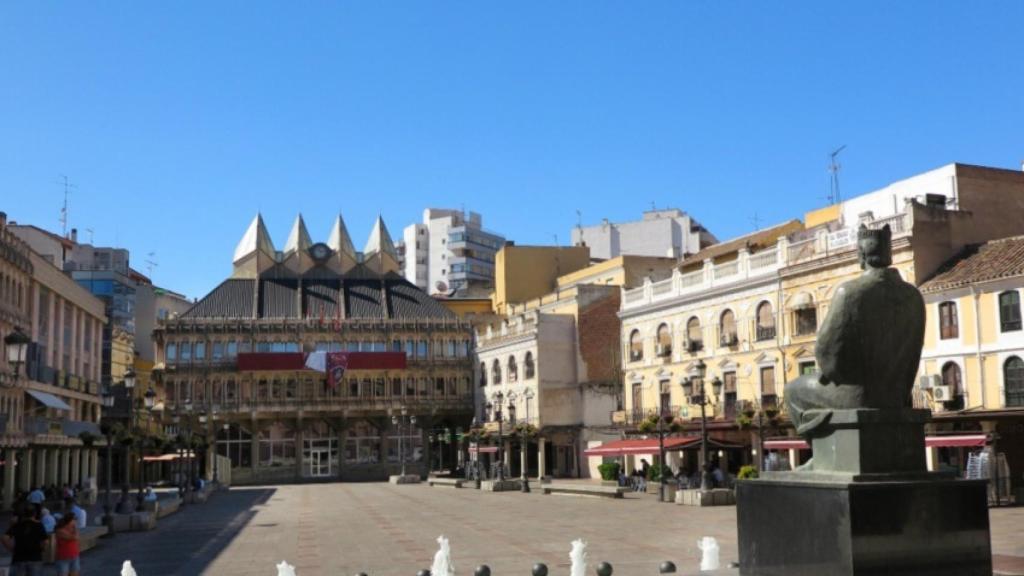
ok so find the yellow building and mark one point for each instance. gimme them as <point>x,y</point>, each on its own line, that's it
<point>749,308</point>
<point>522,273</point>
<point>972,366</point>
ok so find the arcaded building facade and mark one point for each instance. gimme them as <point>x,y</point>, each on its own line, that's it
<point>250,358</point>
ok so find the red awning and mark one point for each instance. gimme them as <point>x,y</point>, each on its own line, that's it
<point>483,449</point>
<point>968,440</point>
<point>964,440</point>
<point>259,361</point>
<point>642,446</point>
<point>787,444</point>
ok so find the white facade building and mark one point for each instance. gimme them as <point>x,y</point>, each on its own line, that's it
<point>449,252</point>
<point>670,232</point>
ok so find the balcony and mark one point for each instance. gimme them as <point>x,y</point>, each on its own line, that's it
<point>346,404</point>
<point>751,266</point>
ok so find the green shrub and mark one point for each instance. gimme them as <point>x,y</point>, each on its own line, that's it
<point>609,470</point>
<point>655,471</point>
<point>747,473</point>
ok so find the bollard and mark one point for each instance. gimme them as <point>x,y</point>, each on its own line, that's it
<point>482,570</point>
<point>540,569</point>
<point>604,569</point>
<point>667,567</point>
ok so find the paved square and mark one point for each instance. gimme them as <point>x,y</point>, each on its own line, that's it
<point>342,529</point>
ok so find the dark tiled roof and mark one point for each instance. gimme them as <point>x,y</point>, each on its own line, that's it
<point>320,297</point>
<point>979,263</point>
<point>361,297</point>
<point>408,301</point>
<point>232,299</point>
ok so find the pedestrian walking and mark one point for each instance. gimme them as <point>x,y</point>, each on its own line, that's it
<point>67,553</point>
<point>26,540</point>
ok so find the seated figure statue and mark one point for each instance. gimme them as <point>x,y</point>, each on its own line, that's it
<point>869,346</point>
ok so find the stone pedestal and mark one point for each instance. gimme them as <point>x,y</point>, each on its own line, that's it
<point>698,497</point>
<point>406,479</point>
<point>929,526</point>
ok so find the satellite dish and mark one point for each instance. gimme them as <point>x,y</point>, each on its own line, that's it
<point>441,286</point>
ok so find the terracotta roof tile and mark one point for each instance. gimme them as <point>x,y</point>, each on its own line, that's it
<point>979,263</point>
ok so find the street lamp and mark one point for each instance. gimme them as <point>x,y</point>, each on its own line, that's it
<point>476,456</point>
<point>17,348</point>
<point>527,396</point>
<point>398,421</point>
<point>495,406</point>
<point>699,397</point>
<point>662,416</point>
<point>107,397</point>
<point>128,382</point>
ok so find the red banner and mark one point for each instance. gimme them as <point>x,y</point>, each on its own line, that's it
<point>337,363</point>
<point>261,361</point>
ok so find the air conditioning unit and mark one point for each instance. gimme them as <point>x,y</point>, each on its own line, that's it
<point>942,394</point>
<point>929,381</point>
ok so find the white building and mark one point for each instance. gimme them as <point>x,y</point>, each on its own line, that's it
<point>670,232</point>
<point>449,252</point>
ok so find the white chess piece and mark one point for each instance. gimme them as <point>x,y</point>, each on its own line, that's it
<point>442,559</point>
<point>127,570</point>
<point>285,569</point>
<point>578,557</point>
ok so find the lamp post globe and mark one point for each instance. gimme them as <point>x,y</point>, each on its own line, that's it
<point>17,348</point>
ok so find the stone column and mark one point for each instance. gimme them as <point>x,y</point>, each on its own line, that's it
<point>40,468</point>
<point>53,466</point>
<point>65,457</point>
<point>342,431</point>
<point>541,468</point>
<point>25,469</point>
<point>299,460</point>
<point>254,450</point>
<point>76,466</point>
<point>9,465</point>
<point>523,461</point>
<point>94,458</point>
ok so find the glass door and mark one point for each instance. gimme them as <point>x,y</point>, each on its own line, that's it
<point>319,463</point>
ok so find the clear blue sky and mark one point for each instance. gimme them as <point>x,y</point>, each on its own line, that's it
<point>179,120</point>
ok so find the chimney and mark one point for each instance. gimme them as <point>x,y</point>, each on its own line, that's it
<point>3,219</point>
<point>74,235</point>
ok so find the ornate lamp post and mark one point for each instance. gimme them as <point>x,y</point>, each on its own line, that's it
<point>662,415</point>
<point>108,402</point>
<point>495,406</point>
<point>476,457</point>
<point>202,426</point>
<point>700,398</point>
<point>399,421</point>
<point>527,396</point>
<point>17,349</point>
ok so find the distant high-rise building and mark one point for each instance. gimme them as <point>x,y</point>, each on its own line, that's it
<point>665,233</point>
<point>449,253</point>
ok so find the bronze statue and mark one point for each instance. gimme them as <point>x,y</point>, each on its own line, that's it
<point>869,345</point>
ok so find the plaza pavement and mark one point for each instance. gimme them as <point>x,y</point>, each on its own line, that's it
<point>342,529</point>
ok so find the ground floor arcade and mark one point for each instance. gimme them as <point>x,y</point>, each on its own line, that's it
<point>45,465</point>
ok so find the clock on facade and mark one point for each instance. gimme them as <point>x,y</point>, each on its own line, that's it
<point>319,251</point>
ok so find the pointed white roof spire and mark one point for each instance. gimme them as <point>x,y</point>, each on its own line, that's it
<point>339,240</point>
<point>256,238</point>
<point>380,240</point>
<point>298,239</point>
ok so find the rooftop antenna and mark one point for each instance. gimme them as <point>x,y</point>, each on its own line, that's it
<point>653,209</point>
<point>756,221</point>
<point>68,186</point>
<point>579,219</point>
<point>90,231</point>
<point>150,264</point>
<point>833,168</point>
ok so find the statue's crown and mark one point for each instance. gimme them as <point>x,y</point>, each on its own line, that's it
<point>884,233</point>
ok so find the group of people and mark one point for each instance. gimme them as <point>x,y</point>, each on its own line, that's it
<point>637,480</point>
<point>30,532</point>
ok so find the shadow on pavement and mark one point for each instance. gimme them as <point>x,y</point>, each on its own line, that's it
<point>183,543</point>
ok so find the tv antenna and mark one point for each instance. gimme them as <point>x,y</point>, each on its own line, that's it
<point>90,231</point>
<point>150,264</point>
<point>756,221</point>
<point>579,219</point>
<point>833,168</point>
<point>68,186</point>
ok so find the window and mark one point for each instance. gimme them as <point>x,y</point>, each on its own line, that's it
<point>410,387</point>
<point>1009,311</point>
<point>186,352</point>
<point>483,374</point>
<point>694,339</point>
<point>528,364</point>
<point>218,350</point>
<point>729,390</point>
<point>807,368</point>
<point>636,346</point>
<point>951,377</point>
<point>1013,381</point>
<point>171,352</point>
<point>410,348</point>
<point>664,341</point>
<point>513,370</point>
<point>638,402</point>
<point>496,372</point>
<point>765,322</point>
<point>232,349</point>
<point>948,324</point>
<point>450,349</point>
<point>727,329</point>
<point>806,320</point>
<point>200,351</point>
<point>421,349</point>
<point>768,397</point>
